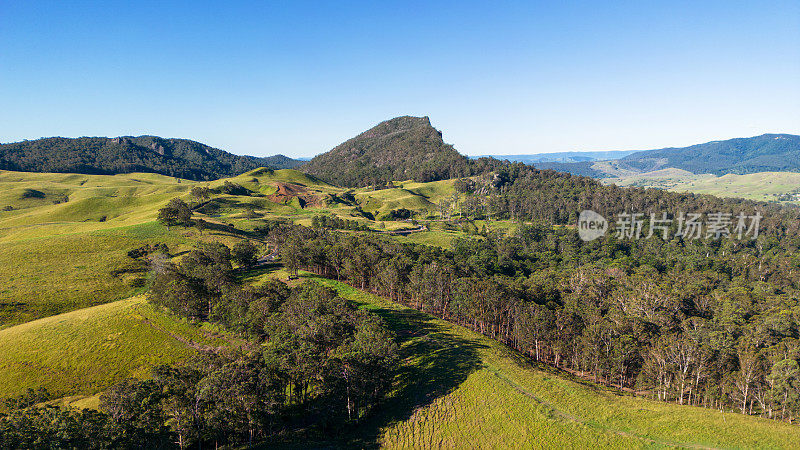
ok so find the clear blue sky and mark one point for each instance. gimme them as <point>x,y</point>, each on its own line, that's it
<point>496,77</point>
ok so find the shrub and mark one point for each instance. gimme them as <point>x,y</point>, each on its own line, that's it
<point>33,193</point>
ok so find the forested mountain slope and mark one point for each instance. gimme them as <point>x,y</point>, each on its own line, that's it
<point>768,152</point>
<point>398,149</point>
<point>101,155</point>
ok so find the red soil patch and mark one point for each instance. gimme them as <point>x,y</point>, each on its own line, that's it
<point>288,191</point>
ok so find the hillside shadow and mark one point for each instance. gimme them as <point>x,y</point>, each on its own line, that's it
<point>253,274</point>
<point>434,364</point>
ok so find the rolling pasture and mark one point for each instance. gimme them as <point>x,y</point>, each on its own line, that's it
<point>82,352</point>
<point>762,186</point>
<point>64,238</point>
<point>65,247</point>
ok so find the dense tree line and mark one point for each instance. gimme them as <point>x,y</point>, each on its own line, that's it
<point>337,223</point>
<point>712,322</point>
<point>331,362</point>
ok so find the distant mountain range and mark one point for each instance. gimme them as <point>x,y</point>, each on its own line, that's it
<point>402,148</point>
<point>765,153</point>
<point>562,157</point>
<point>102,155</point>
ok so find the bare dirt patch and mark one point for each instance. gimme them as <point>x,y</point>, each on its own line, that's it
<point>288,191</point>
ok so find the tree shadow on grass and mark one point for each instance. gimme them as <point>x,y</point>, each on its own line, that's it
<point>434,363</point>
<point>253,274</point>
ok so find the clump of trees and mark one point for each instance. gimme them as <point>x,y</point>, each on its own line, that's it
<point>245,254</point>
<point>464,186</point>
<point>148,249</point>
<point>316,352</point>
<point>398,214</point>
<point>32,193</point>
<point>200,193</point>
<point>29,398</point>
<point>233,189</point>
<point>330,353</point>
<point>64,427</point>
<point>176,212</point>
<point>337,223</point>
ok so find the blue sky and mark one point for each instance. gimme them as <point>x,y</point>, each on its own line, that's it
<point>496,77</point>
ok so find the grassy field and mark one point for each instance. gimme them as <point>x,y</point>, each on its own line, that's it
<point>433,191</point>
<point>419,197</point>
<point>383,201</point>
<point>764,186</point>
<point>65,245</point>
<point>458,389</point>
<point>83,352</point>
<point>64,241</point>
<point>434,237</point>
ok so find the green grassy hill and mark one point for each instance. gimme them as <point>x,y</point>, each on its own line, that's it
<point>383,201</point>
<point>433,190</point>
<point>64,241</point>
<point>422,198</point>
<point>458,389</point>
<point>83,352</point>
<point>65,246</point>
